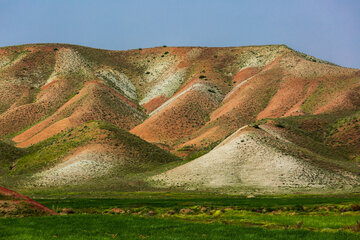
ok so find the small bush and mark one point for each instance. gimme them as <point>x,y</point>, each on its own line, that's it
<point>299,224</point>
<point>355,207</point>
<point>356,227</point>
<point>298,208</point>
<point>186,148</point>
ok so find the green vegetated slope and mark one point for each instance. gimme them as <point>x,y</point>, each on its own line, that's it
<point>331,135</point>
<point>46,153</point>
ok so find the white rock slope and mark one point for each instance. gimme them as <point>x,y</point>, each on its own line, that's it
<point>244,162</point>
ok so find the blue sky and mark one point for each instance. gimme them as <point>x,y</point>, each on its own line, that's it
<point>327,29</point>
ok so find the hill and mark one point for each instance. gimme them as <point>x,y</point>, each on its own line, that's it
<point>265,159</point>
<point>84,154</point>
<point>68,107</point>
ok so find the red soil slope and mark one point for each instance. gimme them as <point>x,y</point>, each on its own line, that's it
<point>89,104</point>
<point>192,95</point>
<point>183,99</point>
<point>288,86</point>
<point>17,196</point>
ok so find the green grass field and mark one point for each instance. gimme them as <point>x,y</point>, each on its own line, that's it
<point>144,215</point>
<point>169,199</point>
<point>130,227</point>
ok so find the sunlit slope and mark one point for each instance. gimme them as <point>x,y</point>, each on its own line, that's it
<point>193,95</point>
<point>264,159</point>
<point>285,83</point>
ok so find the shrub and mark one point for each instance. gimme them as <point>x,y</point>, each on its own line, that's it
<point>355,207</point>
<point>356,227</point>
<point>186,148</point>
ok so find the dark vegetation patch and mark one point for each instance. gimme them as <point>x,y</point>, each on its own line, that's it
<point>144,151</point>
<point>11,208</point>
<point>200,152</point>
<point>8,154</point>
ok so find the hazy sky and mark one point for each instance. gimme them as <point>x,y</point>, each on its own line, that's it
<point>327,29</point>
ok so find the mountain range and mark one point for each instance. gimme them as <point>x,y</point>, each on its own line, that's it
<point>253,119</point>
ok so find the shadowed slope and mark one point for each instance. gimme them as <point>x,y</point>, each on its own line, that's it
<point>8,155</point>
<point>90,151</point>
